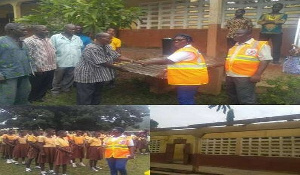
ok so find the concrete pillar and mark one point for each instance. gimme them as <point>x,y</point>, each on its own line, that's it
<point>216,70</point>
<point>215,19</point>
<point>17,9</point>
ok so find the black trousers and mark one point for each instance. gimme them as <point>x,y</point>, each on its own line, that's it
<point>41,82</point>
<point>240,90</point>
<point>276,43</point>
<point>89,93</point>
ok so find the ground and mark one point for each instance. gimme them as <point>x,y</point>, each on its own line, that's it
<point>135,167</point>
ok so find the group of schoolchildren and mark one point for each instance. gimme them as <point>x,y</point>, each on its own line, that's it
<point>60,148</point>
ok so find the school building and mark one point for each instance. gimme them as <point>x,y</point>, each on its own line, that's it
<point>204,20</point>
<point>268,144</point>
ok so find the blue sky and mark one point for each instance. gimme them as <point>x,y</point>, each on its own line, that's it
<point>176,115</point>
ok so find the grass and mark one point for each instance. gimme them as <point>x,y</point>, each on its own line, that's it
<point>131,89</point>
<point>135,166</point>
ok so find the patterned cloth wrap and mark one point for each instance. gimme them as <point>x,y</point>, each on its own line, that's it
<point>291,65</point>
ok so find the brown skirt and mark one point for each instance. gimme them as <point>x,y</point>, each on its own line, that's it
<point>32,152</point>
<point>49,155</point>
<point>9,149</point>
<point>87,152</point>
<point>20,151</point>
<point>78,152</point>
<point>3,150</point>
<point>62,157</point>
<point>95,153</point>
<point>142,144</point>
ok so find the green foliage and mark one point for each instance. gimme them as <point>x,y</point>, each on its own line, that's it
<point>223,107</point>
<point>153,124</point>
<point>230,116</point>
<point>74,117</point>
<point>282,90</point>
<point>94,15</point>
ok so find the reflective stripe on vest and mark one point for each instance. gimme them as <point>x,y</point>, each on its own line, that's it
<point>117,148</point>
<point>246,61</point>
<point>192,72</point>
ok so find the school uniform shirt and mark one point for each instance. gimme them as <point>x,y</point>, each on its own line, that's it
<point>115,43</point>
<point>10,137</point>
<point>32,138</point>
<point>22,140</point>
<point>61,142</point>
<point>79,140</point>
<point>48,141</point>
<point>93,141</point>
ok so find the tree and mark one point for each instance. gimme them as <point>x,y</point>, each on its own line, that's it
<point>94,15</point>
<point>223,107</point>
<point>73,117</point>
<point>153,124</point>
<point>229,115</point>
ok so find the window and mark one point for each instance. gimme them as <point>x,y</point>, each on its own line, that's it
<point>175,14</point>
<point>154,146</point>
<point>271,146</point>
<point>219,146</point>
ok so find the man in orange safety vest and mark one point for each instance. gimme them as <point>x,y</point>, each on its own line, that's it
<point>245,64</point>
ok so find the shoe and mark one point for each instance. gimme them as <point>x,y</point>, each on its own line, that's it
<point>66,90</point>
<point>51,172</point>
<point>74,165</point>
<point>16,163</point>
<point>13,161</point>
<point>8,161</point>
<point>98,167</point>
<point>81,164</point>
<point>37,167</point>
<point>54,93</point>
<point>43,173</point>
<point>28,170</point>
<point>94,169</point>
<point>23,163</point>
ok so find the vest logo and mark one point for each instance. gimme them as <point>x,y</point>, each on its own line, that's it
<point>251,52</point>
<point>123,142</point>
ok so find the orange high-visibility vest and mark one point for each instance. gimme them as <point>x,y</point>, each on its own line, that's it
<point>192,72</point>
<point>246,61</point>
<point>117,148</point>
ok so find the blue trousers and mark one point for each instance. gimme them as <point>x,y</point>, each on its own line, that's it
<point>186,94</point>
<point>117,165</point>
<point>15,91</point>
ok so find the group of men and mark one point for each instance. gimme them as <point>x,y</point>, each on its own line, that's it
<point>44,146</point>
<point>33,65</point>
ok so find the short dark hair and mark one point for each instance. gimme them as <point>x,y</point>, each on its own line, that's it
<point>101,35</point>
<point>37,27</point>
<point>12,26</point>
<point>281,5</point>
<point>243,10</point>
<point>186,36</point>
<point>120,129</point>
